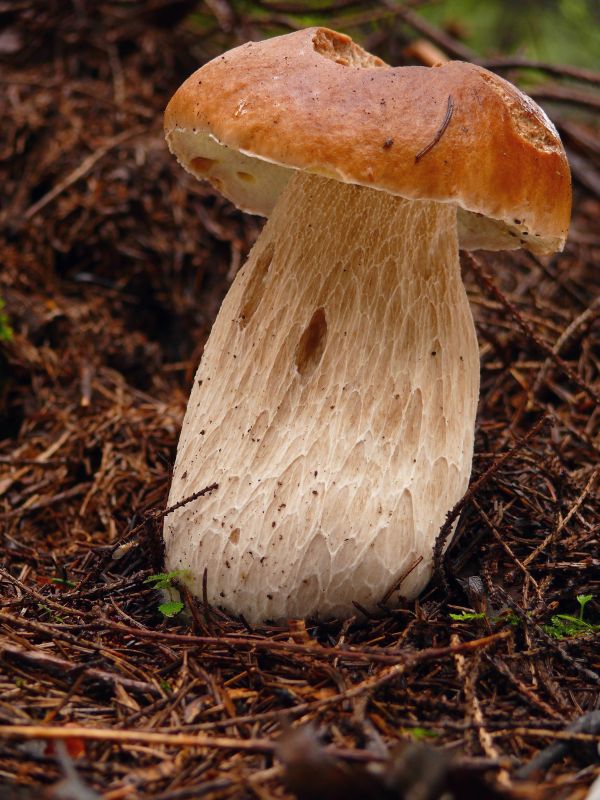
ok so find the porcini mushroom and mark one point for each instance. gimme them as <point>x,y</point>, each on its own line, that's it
<point>335,402</point>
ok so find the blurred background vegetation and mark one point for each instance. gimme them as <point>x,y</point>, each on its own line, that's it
<point>559,31</point>
<point>556,31</point>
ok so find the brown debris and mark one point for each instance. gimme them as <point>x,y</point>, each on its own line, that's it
<point>440,131</point>
<point>114,264</point>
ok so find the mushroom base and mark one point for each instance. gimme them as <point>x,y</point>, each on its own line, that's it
<point>334,406</point>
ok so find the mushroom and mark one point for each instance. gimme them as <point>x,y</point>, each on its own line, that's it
<point>335,402</point>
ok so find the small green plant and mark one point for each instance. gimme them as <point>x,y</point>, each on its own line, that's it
<point>6,332</point>
<point>506,617</point>
<point>465,616</point>
<point>63,582</point>
<point>52,614</point>
<point>171,609</point>
<point>509,618</point>
<point>419,734</point>
<point>565,626</point>
<point>163,581</point>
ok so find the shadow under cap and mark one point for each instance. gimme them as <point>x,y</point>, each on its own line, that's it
<point>315,101</point>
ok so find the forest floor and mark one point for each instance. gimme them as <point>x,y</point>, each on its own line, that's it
<point>113,266</point>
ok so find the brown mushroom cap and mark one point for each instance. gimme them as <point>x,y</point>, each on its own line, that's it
<point>313,100</point>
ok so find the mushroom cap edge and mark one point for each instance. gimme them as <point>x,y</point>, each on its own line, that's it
<point>314,100</point>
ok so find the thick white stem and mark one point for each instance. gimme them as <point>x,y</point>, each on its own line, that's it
<point>334,406</point>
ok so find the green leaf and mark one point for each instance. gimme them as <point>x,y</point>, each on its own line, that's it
<point>422,733</point>
<point>53,615</point>
<point>6,332</point>
<point>63,582</point>
<point>464,616</point>
<point>164,580</point>
<point>563,626</point>
<point>583,600</point>
<point>170,609</point>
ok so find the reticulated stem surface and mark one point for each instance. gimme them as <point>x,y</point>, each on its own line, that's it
<point>334,406</point>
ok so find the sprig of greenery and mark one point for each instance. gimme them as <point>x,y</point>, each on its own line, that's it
<point>6,332</point>
<point>565,626</point>
<point>63,582</point>
<point>163,581</point>
<point>506,617</point>
<point>51,613</point>
<point>583,600</point>
<point>465,616</point>
<point>171,609</point>
<point>419,734</point>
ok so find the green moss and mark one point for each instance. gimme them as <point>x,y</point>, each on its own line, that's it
<point>6,332</point>
<point>566,626</point>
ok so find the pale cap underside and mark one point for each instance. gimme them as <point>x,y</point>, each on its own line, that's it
<point>498,157</point>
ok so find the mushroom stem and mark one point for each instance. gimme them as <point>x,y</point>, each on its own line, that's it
<point>335,407</point>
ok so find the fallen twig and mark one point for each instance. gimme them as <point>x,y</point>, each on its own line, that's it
<point>558,70</point>
<point>474,488</point>
<point>491,287</point>
<point>586,724</point>
<point>86,165</point>
<point>44,661</point>
<point>381,655</point>
<point>439,132</point>
<point>563,524</point>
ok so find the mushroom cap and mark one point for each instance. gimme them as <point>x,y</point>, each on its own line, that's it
<point>313,100</point>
